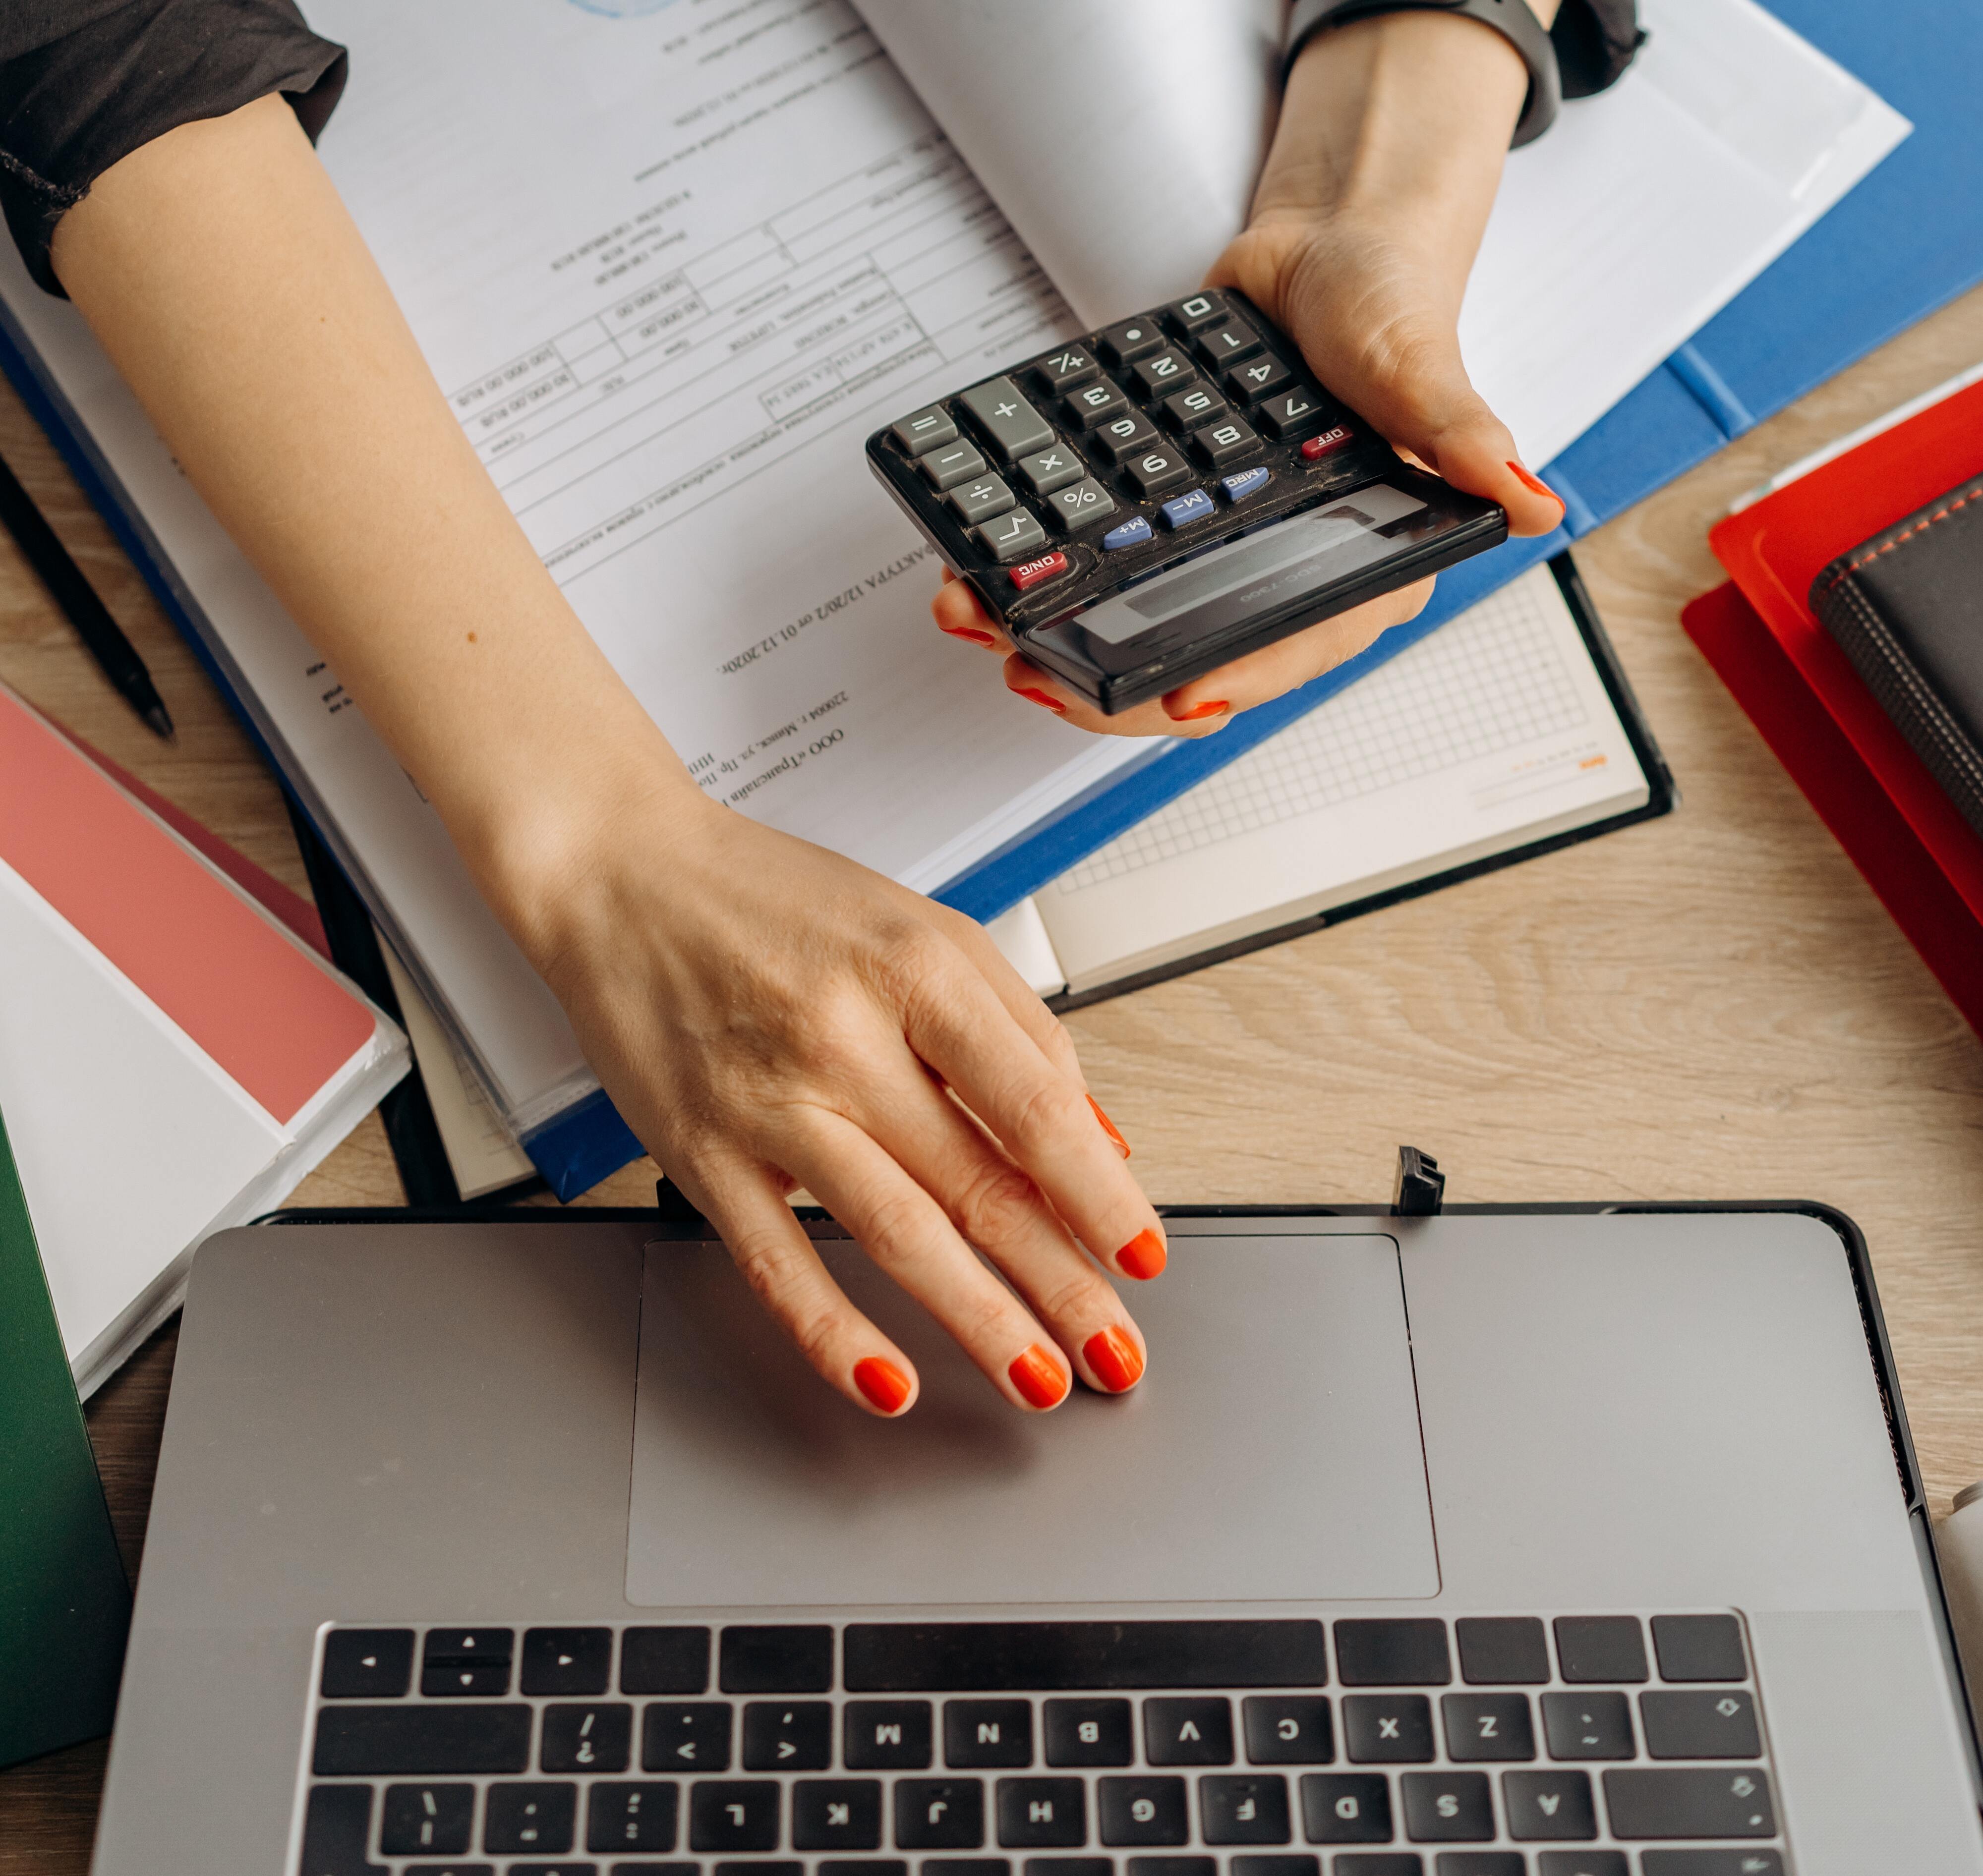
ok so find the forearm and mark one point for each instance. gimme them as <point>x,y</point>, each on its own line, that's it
<point>224,277</point>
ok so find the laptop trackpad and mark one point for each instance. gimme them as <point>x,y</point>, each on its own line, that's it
<point>1272,1453</point>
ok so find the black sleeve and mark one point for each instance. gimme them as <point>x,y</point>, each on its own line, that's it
<point>1594,40</point>
<point>84,82</point>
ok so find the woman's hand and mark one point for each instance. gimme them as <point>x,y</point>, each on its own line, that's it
<point>1365,225</point>
<point>768,1015</point>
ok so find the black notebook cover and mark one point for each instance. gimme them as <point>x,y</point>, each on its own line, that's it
<point>1907,608</point>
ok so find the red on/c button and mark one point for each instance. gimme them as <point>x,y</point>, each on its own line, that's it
<point>1031,573</point>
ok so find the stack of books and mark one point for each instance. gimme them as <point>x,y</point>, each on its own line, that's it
<point>1863,768</point>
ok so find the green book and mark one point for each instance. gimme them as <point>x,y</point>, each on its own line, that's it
<point>65,1603</point>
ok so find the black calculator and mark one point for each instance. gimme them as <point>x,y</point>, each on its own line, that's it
<point>1156,499</point>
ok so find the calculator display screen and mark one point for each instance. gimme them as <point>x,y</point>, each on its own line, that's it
<point>1237,582</point>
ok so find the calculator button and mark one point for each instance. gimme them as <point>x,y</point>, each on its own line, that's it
<point>1027,574</point>
<point>1155,470</point>
<point>980,500</point>
<point>1162,373</point>
<point>1327,443</point>
<point>1257,379</point>
<point>1093,404</point>
<point>1011,536</point>
<point>921,433</point>
<point>1049,469</point>
<point>1071,365</point>
<point>1181,510</point>
<point>1087,501</point>
<point>1131,340</point>
<point>948,467</point>
<point>1121,437</point>
<point>1200,310</point>
<point>1222,443</point>
<point>1132,533</point>
<point>1246,483</point>
<point>1289,413</point>
<point>1234,339</point>
<point>1186,410</point>
<point>1014,427</point>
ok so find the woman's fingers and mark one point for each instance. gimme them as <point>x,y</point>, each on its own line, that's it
<point>1040,1115</point>
<point>898,1224</point>
<point>958,613</point>
<point>1286,666</point>
<point>771,1248</point>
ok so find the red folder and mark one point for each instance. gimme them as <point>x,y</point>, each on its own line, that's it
<point>1903,832</point>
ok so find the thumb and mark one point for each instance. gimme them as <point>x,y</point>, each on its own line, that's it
<point>1411,386</point>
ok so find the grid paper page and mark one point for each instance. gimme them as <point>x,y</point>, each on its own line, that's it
<point>1489,680</point>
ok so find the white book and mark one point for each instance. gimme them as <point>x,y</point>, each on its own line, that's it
<point>671,265</point>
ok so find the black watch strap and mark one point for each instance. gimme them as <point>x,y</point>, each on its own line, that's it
<point>1511,18</point>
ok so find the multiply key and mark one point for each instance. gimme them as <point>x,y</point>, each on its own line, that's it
<point>1015,428</point>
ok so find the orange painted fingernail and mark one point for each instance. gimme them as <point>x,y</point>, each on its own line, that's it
<point>1042,700</point>
<point>1117,1361</point>
<point>1216,708</point>
<point>969,632</point>
<point>1536,485</point>
<point>883,1383</point>
<point>1143,1256</point>
<point>1109,1127</point>
<point>1039,1377</point>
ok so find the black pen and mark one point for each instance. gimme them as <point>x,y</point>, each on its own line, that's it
<point>116,655</point>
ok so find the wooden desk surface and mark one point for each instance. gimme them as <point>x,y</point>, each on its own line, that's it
<point>1709,1006</point>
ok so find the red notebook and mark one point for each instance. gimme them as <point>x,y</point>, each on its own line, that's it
<point>1902,831</point>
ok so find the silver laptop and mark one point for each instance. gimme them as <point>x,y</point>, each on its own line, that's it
<point>1551,1543</point>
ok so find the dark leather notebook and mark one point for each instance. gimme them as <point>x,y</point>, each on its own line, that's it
<point>1907,608</point>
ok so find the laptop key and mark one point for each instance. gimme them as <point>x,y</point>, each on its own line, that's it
<point>1042,1813</point>
<point>1089,1732</point>
<point>1288,1729</point>
<point>1549,1806</point>
<point>1173,1866</point>
<point>1479,1863</point>
<point>886,1735</point>
<point>779,1868</point>
<point>367,1663</point>
<point>939,1813</point>
<point>916,1657</point>
<point>1584,1863</point>
<point>1387,1729</point>
<point>1600,1648</point>
<point>449,1679</point>
<point>664,1660</point>
<point>776,1660</point>
<point>1699,1648</point>
<point>787,1736</point>
<point>733,1814</point>
<point>469,1644</point>
<point>640,1815</point>
<point>1299,1865</point>
<point>532,1869</point>
<point>567,1660</point>
<point>1379,1863</point>
<point>409,1740</point>
<point>426,1820</point>
<point>1501,1650</point>
<point>1674,1801</point>
<point>1706,1863</point>
<point>336,1826</point>
<point>535,1816</point>
<point>857,1866</point>
<point>1187,1732</point>
<point>1403,1653</point>
<point>685,1736</point>
<point>987,1732</point>
<point>1142,1810</point>
<point>1587,1726</point>
<point>1345,1808</point>
<point>1002,1866</point>
<point>1243,1810</point>
<point>1707,1724</point>
<point>837,1814</point>
<point>586,1739</point>
<point>1447,1807</point>
<point>1487,1726</point>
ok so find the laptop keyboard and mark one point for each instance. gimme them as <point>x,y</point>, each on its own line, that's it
<point>1576,1745</point>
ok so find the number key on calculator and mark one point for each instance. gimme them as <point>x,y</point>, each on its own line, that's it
<point>1144,503</point>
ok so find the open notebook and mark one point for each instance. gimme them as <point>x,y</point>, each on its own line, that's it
<point>1508,732</point>
<point>670,265</point>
